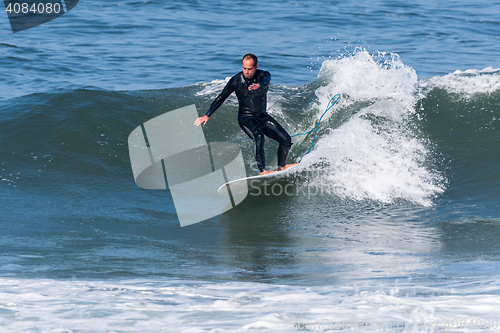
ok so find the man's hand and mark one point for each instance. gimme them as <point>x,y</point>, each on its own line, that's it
<point>254,86</point>
<point>202,120</point>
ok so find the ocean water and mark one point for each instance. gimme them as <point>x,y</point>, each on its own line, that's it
<point>391,223</point>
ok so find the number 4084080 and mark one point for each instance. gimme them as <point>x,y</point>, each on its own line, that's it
<point>40,8</point>
<point>471,323</point>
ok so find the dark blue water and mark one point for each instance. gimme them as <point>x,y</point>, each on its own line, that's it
<point>406,231</point>
<point>154,44</point>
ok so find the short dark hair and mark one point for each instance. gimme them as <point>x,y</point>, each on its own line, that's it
<point>250,56</point>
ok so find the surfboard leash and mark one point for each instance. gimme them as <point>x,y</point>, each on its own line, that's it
<point>328,107</point>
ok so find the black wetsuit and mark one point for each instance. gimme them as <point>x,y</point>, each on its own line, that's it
<point>252,115</point>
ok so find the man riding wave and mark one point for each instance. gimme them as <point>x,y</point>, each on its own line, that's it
<point>251,86</point>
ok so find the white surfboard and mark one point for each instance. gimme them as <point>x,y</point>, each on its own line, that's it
<point>242,184</point>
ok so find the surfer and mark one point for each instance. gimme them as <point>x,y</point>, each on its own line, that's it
<point>251,86</point>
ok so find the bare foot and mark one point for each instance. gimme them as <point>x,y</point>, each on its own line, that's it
<point>265,172</point>
<point>288,166</point>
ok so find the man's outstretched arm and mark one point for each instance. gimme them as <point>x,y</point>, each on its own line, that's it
<point>228,89</point>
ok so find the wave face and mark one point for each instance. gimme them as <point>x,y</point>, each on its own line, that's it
<point>461,115</point>
<point>390,137</point>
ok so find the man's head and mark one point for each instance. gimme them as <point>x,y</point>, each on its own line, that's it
<point>250,65</point>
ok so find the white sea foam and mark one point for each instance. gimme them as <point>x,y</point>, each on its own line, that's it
<point>213,87</point>
<point>378,163</point>
<point>375,154</point>
<point>361,78</point>
<point>195,306</point>
<point>466,83</point>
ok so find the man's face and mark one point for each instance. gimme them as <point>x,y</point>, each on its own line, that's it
<point>249,68</point>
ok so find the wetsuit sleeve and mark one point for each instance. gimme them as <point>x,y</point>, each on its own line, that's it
<point>228,89</point>
<point>265,81</point>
